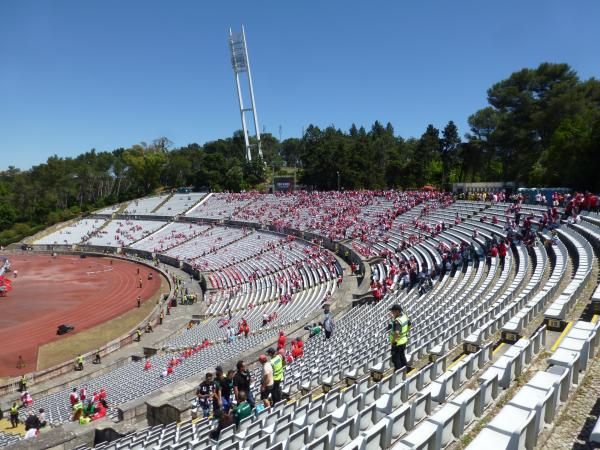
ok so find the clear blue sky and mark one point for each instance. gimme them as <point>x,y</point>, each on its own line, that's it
<point>76,75</point>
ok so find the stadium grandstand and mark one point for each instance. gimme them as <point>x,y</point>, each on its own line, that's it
<point>500,296</point>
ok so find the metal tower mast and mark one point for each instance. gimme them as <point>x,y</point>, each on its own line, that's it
<point>241,64</point>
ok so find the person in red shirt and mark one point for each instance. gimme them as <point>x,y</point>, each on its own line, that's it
<point>494,251</point>
<point>169,370</point>
<point>377,294</point>
<point>245,328</point>
<point>502,253</point>
<point>593,203</point>
<point>281,340</point>
<point>297,351</point>
<point>389,282</point>
<point>73,397</point>
<point>100,410</point>
<point>148,365</point>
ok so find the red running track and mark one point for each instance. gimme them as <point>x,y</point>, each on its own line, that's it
<point>48,292</point>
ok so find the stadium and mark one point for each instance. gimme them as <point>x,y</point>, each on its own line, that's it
<point>519,326</point>
<point>335,288</point>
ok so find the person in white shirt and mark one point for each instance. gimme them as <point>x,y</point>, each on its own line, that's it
<point>230,334</point>
<point>266,385</point>
<point>42,417</point>
<point>31,433</point>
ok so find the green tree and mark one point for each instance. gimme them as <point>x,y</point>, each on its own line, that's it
<point>449,146</point>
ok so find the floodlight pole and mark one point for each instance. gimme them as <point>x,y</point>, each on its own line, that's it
<point>241,63</point>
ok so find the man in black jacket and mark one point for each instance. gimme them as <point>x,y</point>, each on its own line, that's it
<point>32,421</point>
<point>241,383</point>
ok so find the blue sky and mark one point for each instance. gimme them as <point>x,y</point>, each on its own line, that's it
<point>76,75</point>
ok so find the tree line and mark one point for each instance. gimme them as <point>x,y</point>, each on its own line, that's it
<point>541,128</point>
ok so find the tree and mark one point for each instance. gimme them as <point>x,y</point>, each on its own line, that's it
<point>425,162</point>
<point>8,216</point>
<point>525,111</point>
<point>290,150</point>
<point>449,146</point>
<point>254,172</point>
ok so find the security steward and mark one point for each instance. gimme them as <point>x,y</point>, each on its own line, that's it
<point>79,362</point>
<point>22,384</point>
<point>399,329</point>
<point>14,415</point>
<point>277,364</point>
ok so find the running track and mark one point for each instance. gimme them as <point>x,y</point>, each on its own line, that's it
<point>83,292</point>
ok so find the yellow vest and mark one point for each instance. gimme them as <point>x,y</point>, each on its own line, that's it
<point>80,360</point>
<point>404,327</point>
<point>14,409</point>
<point>277,363</point>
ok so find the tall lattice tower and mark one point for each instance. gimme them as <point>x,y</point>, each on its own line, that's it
<point>241,65</point>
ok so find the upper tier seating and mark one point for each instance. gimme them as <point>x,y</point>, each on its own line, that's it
<point>75,233</point>
<point>121,233</point>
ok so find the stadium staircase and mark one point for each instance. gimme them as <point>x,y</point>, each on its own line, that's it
<point>161,204</point>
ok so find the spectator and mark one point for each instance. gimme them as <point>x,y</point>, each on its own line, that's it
<point>230,335</point>
<point>225,420</point>
<point>225,389</point>
<point>77,411</point>
<point>26,399</point>
<point>73,397</point>
<point>243,409</point>
<point>315,330</point>
<point>32,421</point>
<point>31,433</point>
<point>266,384</point>
<point>502,253</point>
<point>241,383</point>
<point>42,418</point>
<point>100,410</point>
<point>296,350</point>
<point>328,326</point>
<point>83,394</point>
<point>281,340</point>
<point>205,393</point>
